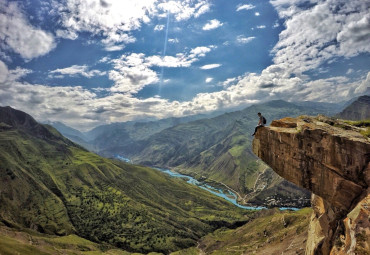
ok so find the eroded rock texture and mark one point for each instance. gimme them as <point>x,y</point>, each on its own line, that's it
<point>331,159</point>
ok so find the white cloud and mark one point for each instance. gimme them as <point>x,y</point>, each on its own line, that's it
<point>276,24</point>
<point>83,109</point>
<point>133,72</point>
<point>185,9</point>
<point>173,40</point>
<point>200,51</point>
<point>212,24</point>
<point>349,71</point>
<point>158,27</point>
<point>257,14</point>
<point>229,81</point>
<point>209,79</point>
<point>71,35</point>
<point>327,30</point>
<point>76,70</point>
<point>3,71</point>
<point>261,27</point>
<point>210,66</point>
<point>243,40</point>
<point>17,34</point>
<point>114,47</point>
<point>364,85</point>
<point>104,59</point>
<point>245,7</point>
<point>115,20</point>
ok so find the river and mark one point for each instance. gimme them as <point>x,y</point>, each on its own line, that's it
<point>228,195</point>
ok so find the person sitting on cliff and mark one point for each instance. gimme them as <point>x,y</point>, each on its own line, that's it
<point>261,122</point>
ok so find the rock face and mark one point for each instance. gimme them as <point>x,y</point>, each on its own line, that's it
<point>330,159</point>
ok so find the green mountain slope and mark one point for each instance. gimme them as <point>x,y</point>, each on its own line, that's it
<point>271,232</point>
<point>357,110</point>
<point>267,232</point>
<point>219,149</point>
<point>54,186</point>
<point>108,139</point>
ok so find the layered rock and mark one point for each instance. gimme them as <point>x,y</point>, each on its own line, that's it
<point>331,159</point>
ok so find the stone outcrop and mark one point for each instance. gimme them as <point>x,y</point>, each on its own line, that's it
<point>331,159</point>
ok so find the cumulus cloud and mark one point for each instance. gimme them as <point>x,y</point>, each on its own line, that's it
<point>76,70</point>
<point>132,72</point>
<point>210,66</point>
<point>185,9</point>
<point>115,20</point>
<point>261,27</point>
<point>83,109</point>
<point>212,24</point>
<point>245,7</point>
<point>17,34</point>
<point>71,35</point>
<point>322,32</point>
<point>257,14</point>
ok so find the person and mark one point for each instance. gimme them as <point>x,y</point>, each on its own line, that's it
<point>261,123</point>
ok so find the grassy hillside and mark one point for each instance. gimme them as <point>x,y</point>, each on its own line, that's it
<point>219,149</point>
<point>271,232</point>
<point>53,186</point>
<point>108,139</point>
<point>268,232</point>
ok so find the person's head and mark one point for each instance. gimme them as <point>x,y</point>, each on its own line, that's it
<point>259,114</point>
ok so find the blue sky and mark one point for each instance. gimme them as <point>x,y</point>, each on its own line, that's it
<point>92,62</point>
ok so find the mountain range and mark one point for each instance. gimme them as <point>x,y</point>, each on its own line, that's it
<point>54,186</point>
<point>214,149</point>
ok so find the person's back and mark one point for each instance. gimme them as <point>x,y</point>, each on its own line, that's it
<point>261,122</point>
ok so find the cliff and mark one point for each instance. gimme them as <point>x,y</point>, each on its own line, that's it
<point>331,159</point>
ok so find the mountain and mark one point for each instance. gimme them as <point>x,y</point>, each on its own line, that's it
<point>111,136</point>
<point>72,134</point>
<point>266,232</point>
<point>51,185</point>
<point>357,110</point>
<point>66,130</point>
<point>219,150</point>
<point>328,109</point>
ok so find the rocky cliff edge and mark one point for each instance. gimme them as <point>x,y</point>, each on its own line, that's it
<point>331,159</point>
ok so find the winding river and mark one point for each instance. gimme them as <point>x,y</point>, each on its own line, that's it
<point>228,195</point>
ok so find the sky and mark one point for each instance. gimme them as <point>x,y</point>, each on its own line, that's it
<point>92,62</point>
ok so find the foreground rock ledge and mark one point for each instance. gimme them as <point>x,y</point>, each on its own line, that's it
<point>331,159</point>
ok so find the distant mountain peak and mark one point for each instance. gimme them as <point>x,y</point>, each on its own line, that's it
<point>357,110</point>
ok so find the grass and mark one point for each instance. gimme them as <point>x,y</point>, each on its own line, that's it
<point>364,124</point>
<point>63,189</point>
<point>267,232</point>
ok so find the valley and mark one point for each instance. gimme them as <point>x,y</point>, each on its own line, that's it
<point>216,150</point>
<point>63,189</point>
<point>74,201</point>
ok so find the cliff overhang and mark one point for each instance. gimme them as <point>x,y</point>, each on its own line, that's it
<point>331,159</point>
